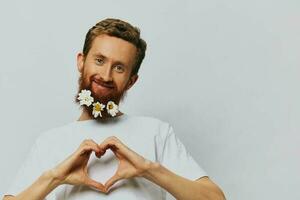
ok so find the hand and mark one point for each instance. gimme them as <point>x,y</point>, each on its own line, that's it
<point>74,171</point>
<point>130,163</point>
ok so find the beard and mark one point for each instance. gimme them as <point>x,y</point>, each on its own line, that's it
<point>112,95</point>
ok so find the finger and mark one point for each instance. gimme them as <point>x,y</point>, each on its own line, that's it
<point>94,184</point>
<point>116,145</point>
<point>111,181</point>
<point>94,144</point>
<point>111,143</point>
<point>87,146</point>
<point>87,149</point>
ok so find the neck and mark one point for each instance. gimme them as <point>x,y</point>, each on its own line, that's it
<point>85,115</point>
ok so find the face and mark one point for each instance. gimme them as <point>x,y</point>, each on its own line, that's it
<point>106,69</point>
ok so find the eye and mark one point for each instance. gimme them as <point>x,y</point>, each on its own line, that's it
<point>119,68</point>
<point>99,61</point>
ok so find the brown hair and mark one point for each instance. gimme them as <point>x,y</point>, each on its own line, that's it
<point>120,29</point>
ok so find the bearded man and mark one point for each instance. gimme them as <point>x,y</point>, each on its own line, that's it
<point>107,154</point>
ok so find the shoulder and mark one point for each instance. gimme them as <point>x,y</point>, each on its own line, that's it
<point>53,134</point>
<point>160,127</point>
<point>152,121</point>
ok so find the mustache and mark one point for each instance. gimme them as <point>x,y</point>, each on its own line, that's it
<point>105,84</point>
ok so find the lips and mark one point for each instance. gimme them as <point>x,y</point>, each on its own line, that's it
<point>102,86</point>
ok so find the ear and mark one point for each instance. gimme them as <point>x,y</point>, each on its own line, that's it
<point>131,81</point>
<point>80,62</point>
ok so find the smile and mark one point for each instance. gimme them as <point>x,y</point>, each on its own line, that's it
<point>102,87</point>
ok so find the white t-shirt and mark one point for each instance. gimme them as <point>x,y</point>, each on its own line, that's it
<point>149,137</point>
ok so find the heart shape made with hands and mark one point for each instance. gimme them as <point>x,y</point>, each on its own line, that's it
<point>129,162</point>
<point>103,167</point>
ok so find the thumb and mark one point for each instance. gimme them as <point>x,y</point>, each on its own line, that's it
<point>112,181</point>
<point>94,184</point>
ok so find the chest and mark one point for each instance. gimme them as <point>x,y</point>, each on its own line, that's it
<point>101,169</point>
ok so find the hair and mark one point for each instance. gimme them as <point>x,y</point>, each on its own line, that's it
<point>119,29</point>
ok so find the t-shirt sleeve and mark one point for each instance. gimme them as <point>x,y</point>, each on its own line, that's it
<point>29,172</point>
<point>173,155</point>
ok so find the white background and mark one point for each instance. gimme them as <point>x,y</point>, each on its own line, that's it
<point>225,74</point>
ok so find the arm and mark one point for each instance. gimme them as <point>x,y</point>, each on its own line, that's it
<point>182,188</point>
<point>38,190</point>
<point>72,171</point>
<point>132,164</point>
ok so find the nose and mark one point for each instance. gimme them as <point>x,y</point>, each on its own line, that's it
<point>106,75</point>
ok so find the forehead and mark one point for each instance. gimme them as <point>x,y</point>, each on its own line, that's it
<point>113,48</point>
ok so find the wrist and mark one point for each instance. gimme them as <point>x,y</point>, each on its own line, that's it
<point>53,179</point>
<point>150,170</point>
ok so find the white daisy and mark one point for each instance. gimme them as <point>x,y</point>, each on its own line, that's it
<point>85,97</point>
<point>112,108</point>
<point>98,107</point>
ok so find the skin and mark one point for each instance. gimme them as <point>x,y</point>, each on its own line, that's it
<point>110,62</point>
<point>73,170</point>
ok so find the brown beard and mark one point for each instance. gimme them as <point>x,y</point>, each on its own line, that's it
<point>114,95</point>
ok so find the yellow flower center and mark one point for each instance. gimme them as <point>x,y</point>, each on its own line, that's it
<point>110,106</point>
<point>97,107</point>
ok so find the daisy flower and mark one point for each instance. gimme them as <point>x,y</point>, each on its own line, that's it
<point>112,108</point>
<point>98,107</point>
<point>85,97</point>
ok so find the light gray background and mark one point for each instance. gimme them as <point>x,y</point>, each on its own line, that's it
<point>225,74</point>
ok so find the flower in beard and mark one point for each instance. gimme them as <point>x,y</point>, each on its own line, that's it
<point>85,97</point>
<point>112,108</point>
<point>98,107</point>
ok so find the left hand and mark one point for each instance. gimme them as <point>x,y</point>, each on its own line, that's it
<point>130,165</point>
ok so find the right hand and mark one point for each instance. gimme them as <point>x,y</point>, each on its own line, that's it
<point>74,171</point>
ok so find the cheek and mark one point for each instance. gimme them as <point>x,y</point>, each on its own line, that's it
<point>87,78</point>
<point>122,84</point>
<point>125,83</point>
<point>89,71</point>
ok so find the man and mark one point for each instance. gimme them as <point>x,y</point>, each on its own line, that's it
<point>145,159</point>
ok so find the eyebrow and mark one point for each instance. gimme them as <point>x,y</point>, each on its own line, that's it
<point>97,55</point>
